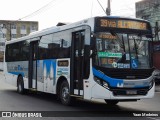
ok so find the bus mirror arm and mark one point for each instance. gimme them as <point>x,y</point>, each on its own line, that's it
<point>93,53</point>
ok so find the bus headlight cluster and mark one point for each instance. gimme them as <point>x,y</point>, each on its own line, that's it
<point>105,85</point>
<point>101,82</point>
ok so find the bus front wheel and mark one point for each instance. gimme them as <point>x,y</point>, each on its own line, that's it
<point>20,85</point>
<point>64,93</point>
<point>111,102</point>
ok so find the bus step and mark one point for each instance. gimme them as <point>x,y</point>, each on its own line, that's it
<point>32,89</point>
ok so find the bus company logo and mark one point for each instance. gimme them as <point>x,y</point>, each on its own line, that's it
<point>120,85</point>
<point>6,114</point>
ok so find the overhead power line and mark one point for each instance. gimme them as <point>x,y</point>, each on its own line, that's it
<point>101,6</point>
<point>38,11</point>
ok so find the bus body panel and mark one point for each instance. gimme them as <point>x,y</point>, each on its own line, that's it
<point>11,79</point>
<point>13,69</point>
<point>47,72</point>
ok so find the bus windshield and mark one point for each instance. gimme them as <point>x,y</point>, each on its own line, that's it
<point>122,50</point>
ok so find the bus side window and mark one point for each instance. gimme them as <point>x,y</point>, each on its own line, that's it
<point>64,50</point>
<point>15,52</point>
<point>44,46</point>
<point>56,45</point>
<point>65,44</point>
<point>24,53</point>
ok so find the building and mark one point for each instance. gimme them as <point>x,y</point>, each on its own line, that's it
<point>150,10</point>
<point>15,29</point>
<point>10,29</point>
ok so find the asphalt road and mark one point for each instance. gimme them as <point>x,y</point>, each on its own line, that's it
<point>10,100</point>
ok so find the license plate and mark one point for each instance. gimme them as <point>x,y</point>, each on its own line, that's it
<point>131,92</point>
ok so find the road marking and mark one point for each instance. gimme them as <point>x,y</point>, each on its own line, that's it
<point>153,118</point>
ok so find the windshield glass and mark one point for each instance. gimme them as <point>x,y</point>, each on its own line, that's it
<point>117,50</point>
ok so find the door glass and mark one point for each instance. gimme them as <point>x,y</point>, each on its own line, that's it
<point>79,51</point>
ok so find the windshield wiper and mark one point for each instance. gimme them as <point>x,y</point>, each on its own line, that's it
<point>136,47</point>
<point>121,41</point>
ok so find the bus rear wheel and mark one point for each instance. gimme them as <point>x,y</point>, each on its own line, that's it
<point>111,102</point>
<point>20,85</point>
<point>64,93</point>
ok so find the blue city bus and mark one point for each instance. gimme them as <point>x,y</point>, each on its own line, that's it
<point>105,58</point>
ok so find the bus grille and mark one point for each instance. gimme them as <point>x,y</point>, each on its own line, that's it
<point>129,75</point>
<point>119,92</point>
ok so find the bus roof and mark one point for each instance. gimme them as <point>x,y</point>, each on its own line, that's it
<point>88,21</point>
<point>130,18</point>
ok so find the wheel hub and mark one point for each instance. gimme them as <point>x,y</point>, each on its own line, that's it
<point>65,93</point>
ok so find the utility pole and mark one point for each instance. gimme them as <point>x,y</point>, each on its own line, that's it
<point>108,10</point>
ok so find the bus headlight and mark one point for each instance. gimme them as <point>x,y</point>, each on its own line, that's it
<point>105,85</point>
<point>101,82</point>
<point>97,80</point>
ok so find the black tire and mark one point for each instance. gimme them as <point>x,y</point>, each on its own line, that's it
<point>20,85</point>
<point>64,93</point>
<point>111,102</point>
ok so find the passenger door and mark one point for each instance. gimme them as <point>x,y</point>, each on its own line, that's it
<point>33,65</point>
<point>79,59</point>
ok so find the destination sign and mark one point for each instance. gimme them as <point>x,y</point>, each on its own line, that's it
<point>108,54</point>
<point>127,24</point>
<point>107,36</point>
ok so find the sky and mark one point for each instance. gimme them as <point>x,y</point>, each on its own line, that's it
<point>54,11</point>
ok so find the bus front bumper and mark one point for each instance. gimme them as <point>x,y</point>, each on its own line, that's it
<point>99,92</point>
